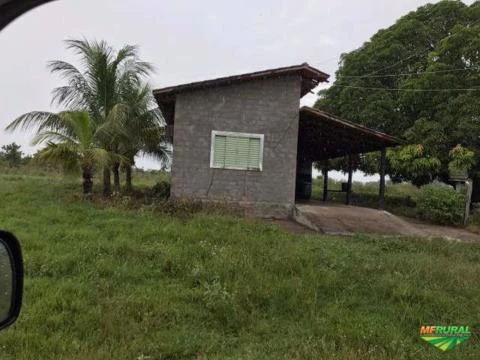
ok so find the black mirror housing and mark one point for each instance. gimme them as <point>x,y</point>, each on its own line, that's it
<point>12,247</point>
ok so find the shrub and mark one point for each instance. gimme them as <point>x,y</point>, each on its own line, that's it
<point>186,207</point>
<point>463,160</point>
<point>161,190</point>
<point>441,205</point>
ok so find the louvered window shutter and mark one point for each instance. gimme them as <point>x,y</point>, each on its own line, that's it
<point>219,150</point>
<point>237,152</point>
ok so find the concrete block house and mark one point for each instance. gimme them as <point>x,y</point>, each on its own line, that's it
<point>236,138</point>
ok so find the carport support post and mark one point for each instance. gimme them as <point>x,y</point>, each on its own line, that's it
<point>325,180</point>
<point>349,184</point>
<point>381,200</point>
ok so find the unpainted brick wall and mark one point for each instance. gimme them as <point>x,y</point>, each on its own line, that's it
<point>268,107</point>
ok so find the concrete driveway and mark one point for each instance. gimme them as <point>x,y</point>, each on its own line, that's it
<point>338,219</point>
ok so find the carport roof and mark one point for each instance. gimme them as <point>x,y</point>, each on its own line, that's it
<point>324,136</point>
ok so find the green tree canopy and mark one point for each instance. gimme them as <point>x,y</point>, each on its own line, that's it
<point>11,154</point>
<point>419,80</point>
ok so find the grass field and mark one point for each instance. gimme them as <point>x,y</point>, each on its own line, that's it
<point>116,284</point>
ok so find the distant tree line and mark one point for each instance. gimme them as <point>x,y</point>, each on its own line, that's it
<point>11,155</point>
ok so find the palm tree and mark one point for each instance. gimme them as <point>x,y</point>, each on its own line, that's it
<point>72,139</point>
<point>100,88</point>
<point>109,87</point>
<point>145,129</point>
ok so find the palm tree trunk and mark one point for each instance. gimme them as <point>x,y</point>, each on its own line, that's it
<point>87,183</point>
<point>107,186</point>
<point>128,178</point>
<point>116,177</point>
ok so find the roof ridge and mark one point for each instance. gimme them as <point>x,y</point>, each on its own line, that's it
<point>313,73</point>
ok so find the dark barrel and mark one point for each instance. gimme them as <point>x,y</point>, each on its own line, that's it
<point>303,187</point>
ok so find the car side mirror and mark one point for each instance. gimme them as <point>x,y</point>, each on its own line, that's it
<point>11,279</point>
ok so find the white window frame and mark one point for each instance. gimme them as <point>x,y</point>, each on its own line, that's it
<point>236,134</point>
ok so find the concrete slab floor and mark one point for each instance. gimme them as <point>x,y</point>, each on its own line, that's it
<point>346,220</point>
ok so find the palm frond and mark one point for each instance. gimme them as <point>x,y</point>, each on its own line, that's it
<point>160,152</point>
<point>51,137</point>
<point>34,119</point>
<point>67,96</point>
<point>66,154</point>
<point>126,52</point>
<point>98,157</point>
<point>114,125</point>
<point>80,47</point>
<point>81,125</point>
<point>66,70</point>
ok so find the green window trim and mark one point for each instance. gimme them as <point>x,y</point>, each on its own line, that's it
<point>236,151</point>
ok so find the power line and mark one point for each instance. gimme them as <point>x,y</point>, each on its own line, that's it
<point>390,66</point>
<point>374,73</point>
<point>411,73</point>
<point>417,54</point>
<point>401,60</point>
<point>409,90</point>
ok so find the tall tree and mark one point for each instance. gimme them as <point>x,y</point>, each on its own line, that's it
<point>99,87</point>
<point>418,79</point>
<point>11,154</point>
<point>145,131</point>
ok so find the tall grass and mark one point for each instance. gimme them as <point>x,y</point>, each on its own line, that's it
<point>115,284</point>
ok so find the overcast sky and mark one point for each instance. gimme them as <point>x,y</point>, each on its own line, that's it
<point>185,40</point>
